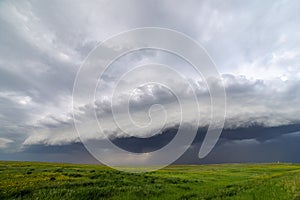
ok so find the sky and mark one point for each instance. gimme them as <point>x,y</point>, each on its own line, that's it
<point>253,44</point>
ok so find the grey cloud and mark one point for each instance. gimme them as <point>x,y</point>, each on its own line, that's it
<point>4,142</point>
<point>257,144</point>
<point>44,43</point>
<point>266,106</point>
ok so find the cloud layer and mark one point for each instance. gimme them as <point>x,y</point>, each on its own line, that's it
<point>253,44</point>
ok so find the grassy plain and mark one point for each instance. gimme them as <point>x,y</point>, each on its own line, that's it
<point>32,180</point>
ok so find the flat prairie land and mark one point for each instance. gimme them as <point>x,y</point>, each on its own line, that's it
<point>33,180</point>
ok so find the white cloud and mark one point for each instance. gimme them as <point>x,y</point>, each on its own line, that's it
<point>17,98</point>
<point>44,43</point>
<point>249,102</point>
<point>4,142</point>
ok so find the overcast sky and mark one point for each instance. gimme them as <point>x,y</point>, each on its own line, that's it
<point>255,46</point>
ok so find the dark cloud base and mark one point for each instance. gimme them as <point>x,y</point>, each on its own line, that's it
<point>259,133</point>
<point>251,144</point>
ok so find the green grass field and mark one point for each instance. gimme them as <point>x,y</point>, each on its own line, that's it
<point>28,180</point>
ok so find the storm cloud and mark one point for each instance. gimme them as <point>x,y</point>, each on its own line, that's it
<point>253,44</point>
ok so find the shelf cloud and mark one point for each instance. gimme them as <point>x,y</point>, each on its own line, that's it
<point>253,45</point>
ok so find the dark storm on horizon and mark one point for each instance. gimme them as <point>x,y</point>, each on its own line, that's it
<point>252,45</point>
